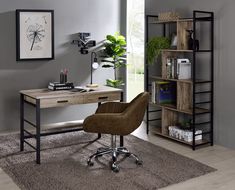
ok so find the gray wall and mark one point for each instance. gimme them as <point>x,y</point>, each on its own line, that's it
<point>224,117</point>
<point>100,17</point>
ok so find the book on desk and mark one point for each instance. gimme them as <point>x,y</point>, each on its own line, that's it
<point>55,86</point>
<point>60,86</point>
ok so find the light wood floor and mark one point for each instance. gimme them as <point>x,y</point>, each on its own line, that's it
<point>221,158</point>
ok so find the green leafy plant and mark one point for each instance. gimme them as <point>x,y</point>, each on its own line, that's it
<point>114,83</point>
<point>154,47</point>
<point>114,50</point>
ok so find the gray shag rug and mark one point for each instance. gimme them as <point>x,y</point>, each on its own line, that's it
<point>64,165</point>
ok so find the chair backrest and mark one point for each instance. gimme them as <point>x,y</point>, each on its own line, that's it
<point>135,111</point>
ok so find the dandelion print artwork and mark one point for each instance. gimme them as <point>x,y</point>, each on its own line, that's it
<point>35,34</point>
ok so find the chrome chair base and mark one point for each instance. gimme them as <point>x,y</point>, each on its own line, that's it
<point>114,152</point>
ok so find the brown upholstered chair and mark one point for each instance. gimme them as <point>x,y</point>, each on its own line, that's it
<point>117,118</point>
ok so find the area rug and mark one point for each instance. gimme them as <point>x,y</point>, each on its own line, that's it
<point>63,164</point>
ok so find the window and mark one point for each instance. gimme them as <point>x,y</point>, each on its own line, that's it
<point>135,47</point>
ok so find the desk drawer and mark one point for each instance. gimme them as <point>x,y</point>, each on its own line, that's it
<point>58,102</point>
<point>109,96</point>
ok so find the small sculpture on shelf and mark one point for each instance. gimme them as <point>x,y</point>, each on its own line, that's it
<point>190,41</point>
<point>174,41</point>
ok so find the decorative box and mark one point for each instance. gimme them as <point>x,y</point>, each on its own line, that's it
<point>185,135</point>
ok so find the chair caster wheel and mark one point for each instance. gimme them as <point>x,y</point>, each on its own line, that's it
<point>115,168</point>
<point>90,163</point>
<point>139,162</point>
<point>128,154</point>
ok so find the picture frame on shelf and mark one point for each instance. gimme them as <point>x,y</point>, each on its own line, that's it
<point>34,34</point>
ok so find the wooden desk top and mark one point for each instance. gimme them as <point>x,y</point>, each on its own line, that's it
<point>46,93</point>
<point>50,98</point>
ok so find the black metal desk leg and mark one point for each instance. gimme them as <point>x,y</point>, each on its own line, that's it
<point>121,137</point>
<point>38,132</point>
<point>99,134</point>
<point>21,122</point>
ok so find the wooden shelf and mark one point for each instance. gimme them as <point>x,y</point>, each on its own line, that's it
<point>175,80</point>
<point>197,111</point>
<point>177,50</point>
<point>155,129</point>
<point>171,21</point>
<point>181,80</point>
<point>179,91</point>
<point>169,106</point>
<point>158,132</point>
<point>173,108</point>
<point>185,50</point>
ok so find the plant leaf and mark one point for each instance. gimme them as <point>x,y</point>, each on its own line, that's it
<point>154,47</point>
<point>111,38</point>
<point>107,66</point>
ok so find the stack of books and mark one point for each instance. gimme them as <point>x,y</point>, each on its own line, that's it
<point>60,86</point>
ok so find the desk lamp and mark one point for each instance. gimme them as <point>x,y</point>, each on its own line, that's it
<point>94,65</point>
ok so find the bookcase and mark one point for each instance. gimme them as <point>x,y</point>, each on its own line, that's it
<point>189,120</point>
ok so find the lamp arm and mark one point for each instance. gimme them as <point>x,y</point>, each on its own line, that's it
<point>92,58</point>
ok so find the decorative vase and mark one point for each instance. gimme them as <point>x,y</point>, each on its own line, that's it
<point>190,41</point>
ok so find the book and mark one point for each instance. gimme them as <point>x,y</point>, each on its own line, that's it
<point>54,88</point>
<point>153,92</point>
<point>174,72</point>
<point>60,84</point>
<point>165,92</point>
<point>171,68</point>
<point>168,69</point>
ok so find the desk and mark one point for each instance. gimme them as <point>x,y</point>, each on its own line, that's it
<point>44,98</point>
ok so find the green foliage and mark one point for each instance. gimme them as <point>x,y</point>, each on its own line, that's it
<point>114,49</point>
<point>154,47</point>
<point>114,83</point>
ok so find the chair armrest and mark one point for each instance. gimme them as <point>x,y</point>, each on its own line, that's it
<point>107,123</point>
<point>112,107</point>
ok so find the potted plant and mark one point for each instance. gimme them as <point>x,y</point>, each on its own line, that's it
<point>114,50</point>
<point>154,47</point>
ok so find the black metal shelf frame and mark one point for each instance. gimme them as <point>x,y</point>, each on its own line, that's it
<point>198,16</point>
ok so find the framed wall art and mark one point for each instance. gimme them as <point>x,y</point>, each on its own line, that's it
<point>34,35</point>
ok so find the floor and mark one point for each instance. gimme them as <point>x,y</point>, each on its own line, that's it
<point>218,157</point>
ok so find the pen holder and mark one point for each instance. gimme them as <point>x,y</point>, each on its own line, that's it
<point>63,78</point>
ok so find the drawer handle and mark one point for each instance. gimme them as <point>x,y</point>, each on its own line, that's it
<point>62,101</point>
<point>103,98</point>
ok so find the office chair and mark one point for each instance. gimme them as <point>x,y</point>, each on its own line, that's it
<point>117,118</point>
